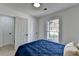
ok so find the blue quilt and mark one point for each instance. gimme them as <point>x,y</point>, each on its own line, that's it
<point>40,48</point>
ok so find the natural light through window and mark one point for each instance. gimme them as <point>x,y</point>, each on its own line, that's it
<point>53,30</point>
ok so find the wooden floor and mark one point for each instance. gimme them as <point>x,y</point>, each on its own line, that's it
<point>7,50</point>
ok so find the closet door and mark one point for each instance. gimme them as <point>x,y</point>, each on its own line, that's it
<point>21,31</point>
<point>7,30</point>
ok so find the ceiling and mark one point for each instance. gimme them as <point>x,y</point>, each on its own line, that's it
<point>27,8</point>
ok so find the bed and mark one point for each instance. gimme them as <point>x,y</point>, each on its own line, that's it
<point>40,48</point>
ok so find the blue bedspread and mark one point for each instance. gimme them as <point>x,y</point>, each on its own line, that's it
<point>40,48</point>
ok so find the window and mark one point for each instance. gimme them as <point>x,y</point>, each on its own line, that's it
<point>53,30</point>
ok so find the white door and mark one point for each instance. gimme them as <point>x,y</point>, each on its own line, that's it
<point>7,24</point>
<point>21,31</point>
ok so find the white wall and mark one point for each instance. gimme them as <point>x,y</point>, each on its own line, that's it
<point>70,24</point>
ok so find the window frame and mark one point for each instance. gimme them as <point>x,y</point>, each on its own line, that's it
<point>60,27</point>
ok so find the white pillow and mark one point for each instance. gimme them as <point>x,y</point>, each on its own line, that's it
<point>71,50</point>
<point>69,44</point>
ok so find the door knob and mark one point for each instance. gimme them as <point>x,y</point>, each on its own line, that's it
<point>26,34</point>
<point>10,33</point>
